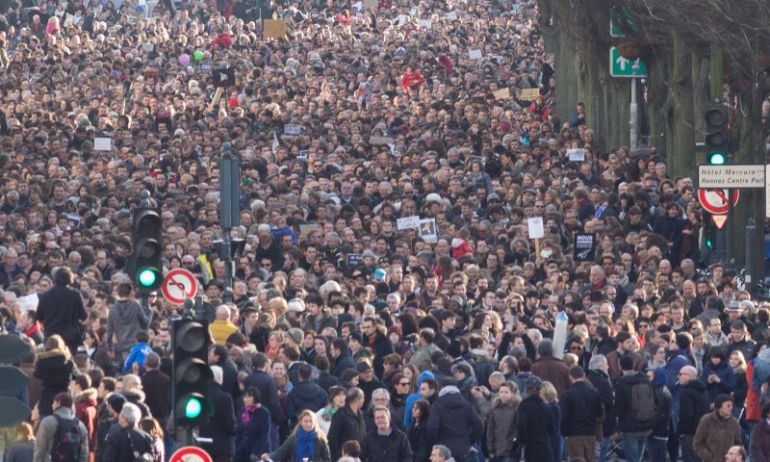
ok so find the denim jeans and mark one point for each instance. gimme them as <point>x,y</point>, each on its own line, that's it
<point>603,450</point>
<point>657,449</point>
<point>633,446</point>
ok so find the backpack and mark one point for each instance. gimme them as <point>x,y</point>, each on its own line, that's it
<point>139,456</point>
<point>67,440</point>
<point>643,406</point>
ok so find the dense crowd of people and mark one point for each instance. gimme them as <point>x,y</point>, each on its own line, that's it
<point>434,265</point>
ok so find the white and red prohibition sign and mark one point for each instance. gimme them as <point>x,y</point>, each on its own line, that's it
<point>179,285</point>
<point>715,200</point>
<point>190,454</point>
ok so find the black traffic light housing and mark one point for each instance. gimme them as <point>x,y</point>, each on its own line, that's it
<point>192,376</point>
<point>145,265</point>
<point>13,382</point>
<point>716,121</point>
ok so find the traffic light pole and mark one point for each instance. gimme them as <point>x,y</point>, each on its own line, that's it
<point>229,203</point>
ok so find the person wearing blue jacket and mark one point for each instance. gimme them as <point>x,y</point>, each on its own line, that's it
<point>414,397</point>
<point>717,374</point>
<point>138,352</point>
<point>254,429</point>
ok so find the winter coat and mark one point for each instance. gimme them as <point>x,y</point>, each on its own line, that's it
<point>59,310</point>
<point>343,362</point>
<point>581,410</point>
<point>287,451</point>
<point>253,439</point>
<point>126,318</point>
<point>623,408</point>
<point>418,441</point>
<point>421,357</point>
<point>534,424</point>
<point>726,383</point>
<point>601,382</point>
<point>663,400</point>
<point>391,448</point>
<point>553,370</point>
<point>741,388</point>
<point>414,397</point>
<point>55,372</point>
<point>85,411</point>
<point>118,447</point>
<point>346,425</point>
<point>761,369</point>
<point>381,346</point>
<point>454,423</point>
<point>613,361</point>
<point>501,428</point>
<point>761,441</point>
<point>304,395</point>
<point>693,404</point>
<point>267,386</point>
<point>221,427</point>
<point>715,436</point>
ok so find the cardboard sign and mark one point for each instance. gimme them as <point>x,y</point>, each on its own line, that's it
<point>428,231</point>
<point>275,28</point>
<point>451,16</point>
<point>529,94</point>
<point>148,47</point>
<point>353,259</point>
<point>380,141</point>
<point>370,4</point>
<point>408,222</point>
<point>503,93</point>
<point>103,144</point>
<point>475,54</point>
<point>424,24</point>
<point>535,226</point>
<point>292,130</point>
<point>205,66</point>
<point>28,302</point>
<point>223,77</point>
<point>584,247</point>
<point>576,155</point>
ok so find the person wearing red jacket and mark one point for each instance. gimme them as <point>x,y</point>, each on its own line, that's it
<point>411,80</point>
<point>222,41</point>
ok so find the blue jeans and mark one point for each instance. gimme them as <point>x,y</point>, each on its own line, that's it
<point>633,446</point>
<point>603,450</point>
<point>657,449</point>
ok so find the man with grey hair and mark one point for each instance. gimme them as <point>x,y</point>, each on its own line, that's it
<point>599,377</point>
<point>441,453</point>
<point>550,368</point>
<point>381,398</point>
<point>126,441</point>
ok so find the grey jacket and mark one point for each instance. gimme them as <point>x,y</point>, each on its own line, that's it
<point>126,318</point>
<point>45,433</point>
<point>501,429</point>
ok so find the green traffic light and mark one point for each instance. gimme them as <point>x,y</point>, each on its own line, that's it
<point>717,158</point>
<point>147,277</point>
<point>193,408</point>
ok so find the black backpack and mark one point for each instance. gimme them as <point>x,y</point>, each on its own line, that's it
<point>146,455</point>
<point>643,405</point>
<point>67,440</point>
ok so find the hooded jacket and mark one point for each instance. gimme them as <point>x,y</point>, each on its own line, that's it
<point>761,369</point>
<point>454,423</point>
<point>304,395</point>
<point>663,401</point>
<point>126,318</point>
<point>414,397</point>
<point>581,410</point>
<point>623,404</point>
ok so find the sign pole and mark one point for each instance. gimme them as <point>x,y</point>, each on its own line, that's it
<point>229,201</point>
<point>634,116</point>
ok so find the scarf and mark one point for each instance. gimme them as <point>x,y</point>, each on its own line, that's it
<point>248,412</point>
<point>305,445</point>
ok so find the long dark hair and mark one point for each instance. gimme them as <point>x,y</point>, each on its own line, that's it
<point>424,407</point>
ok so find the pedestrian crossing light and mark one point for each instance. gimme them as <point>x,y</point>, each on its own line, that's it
<point>193,408</point>
<point>717,158</point>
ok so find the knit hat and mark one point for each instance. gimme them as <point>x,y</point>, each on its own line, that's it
<point>533,381</point>
<point>721,399</point>
<point>296,334</point>
<point>116,402</point>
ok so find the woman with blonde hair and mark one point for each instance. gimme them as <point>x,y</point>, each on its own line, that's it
<point>307,442</point>
<point>55,368</point>
<point>551,398</point>
<point>23,448</point>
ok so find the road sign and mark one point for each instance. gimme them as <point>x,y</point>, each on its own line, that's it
<point>179,285</point>
<point>190,454</point>
<point>715,200</point>
<point>617,16</point>
<point>623,67</point>
<point>719,220</point>
<point>731,176</point>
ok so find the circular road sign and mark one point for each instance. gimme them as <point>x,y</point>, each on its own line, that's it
<point>715,200</point>
<point>190,454</point>
<point>179,285</point>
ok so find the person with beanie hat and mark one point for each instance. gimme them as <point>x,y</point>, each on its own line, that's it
<point>535,423</point>
<point>717,431</point>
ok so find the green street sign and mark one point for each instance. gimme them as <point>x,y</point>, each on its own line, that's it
<point>622,67</point>
<point>617,17</point>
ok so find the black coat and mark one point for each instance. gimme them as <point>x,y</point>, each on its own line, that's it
<point>304,395</point>
<point>157,400</point>
<point>581,410</point>
<point>534,424</point>
<point>380,347</point>
<point>59,310</point>
<point>341,363</point>
<point>601,382</point>
<point>266,385</point>
<point>418,441</point>
<point>119,449</point>
<point>391,448</point>
<point>346,425</point>
<point>455,424</point>
<point>55,372</point>
<point>221,426</point>
<point>623,404</point>
<point>693,404</point>
<point>253,438</point>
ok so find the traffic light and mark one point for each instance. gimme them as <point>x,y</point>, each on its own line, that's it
<point>13,382</point>
<point>192,375</point>
<point>716,142</point>
<point>145,265</point>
